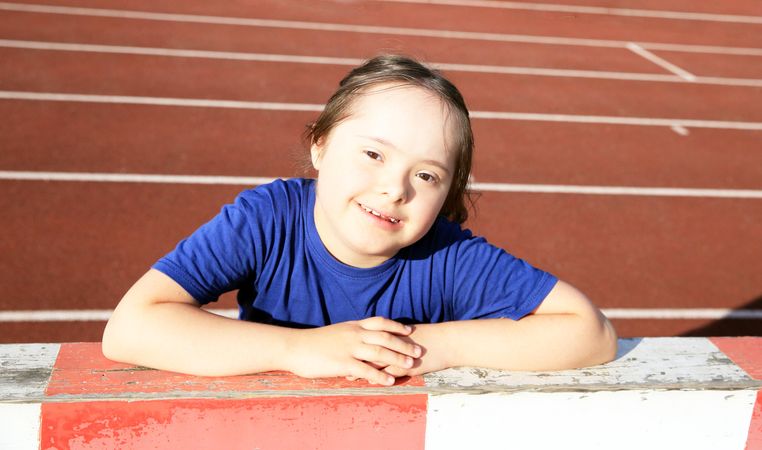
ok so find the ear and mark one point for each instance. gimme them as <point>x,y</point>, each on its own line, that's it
<point>316,153</point>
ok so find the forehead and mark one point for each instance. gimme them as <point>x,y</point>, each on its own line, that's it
<point>409,117</point>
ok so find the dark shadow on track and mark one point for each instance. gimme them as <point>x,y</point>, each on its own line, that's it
<point>732,327</point>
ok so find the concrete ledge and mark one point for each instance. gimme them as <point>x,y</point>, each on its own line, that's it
<point>659,393</point>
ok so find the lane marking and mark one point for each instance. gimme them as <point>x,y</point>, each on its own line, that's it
<point>133,178</point>
<point>368,29</point>
<point>481,187</point>
<point>682,313</point>
<point>576,9</point>
<point>102,315</point>
<point>682,131</point>
<point>351,62</point>
<point>661,62</point>
<point>493,115</point>
<point>158,101</point>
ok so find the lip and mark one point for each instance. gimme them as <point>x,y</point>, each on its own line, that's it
<point>382,216</point>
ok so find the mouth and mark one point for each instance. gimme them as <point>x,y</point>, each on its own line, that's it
<point>379,215</point>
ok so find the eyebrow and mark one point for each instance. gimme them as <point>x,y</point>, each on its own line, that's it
<point>386,143</point>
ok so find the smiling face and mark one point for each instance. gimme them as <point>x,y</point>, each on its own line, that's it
<point>383,174</point>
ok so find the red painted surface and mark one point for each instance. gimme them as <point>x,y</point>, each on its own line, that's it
<point>754,440</point>
<point>487,20</point>
<point>373,422</point>
<point>81,369</point>
<point>746,352</point>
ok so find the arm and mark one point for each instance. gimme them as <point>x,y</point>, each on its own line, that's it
<point>566,331</point>
<point>158,324</point>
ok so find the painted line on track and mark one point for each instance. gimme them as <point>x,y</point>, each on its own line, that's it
<point>600,10</point>
<point>493,115</point>
<point>479,187</point>
<point>351,62</point>
<point>368,29</point>
<point>661,62</point>
<point>102,315</point>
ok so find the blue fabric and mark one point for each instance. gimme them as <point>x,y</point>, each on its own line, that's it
<point>266,245</point>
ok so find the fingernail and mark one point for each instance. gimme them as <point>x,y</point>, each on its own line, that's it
<point>408,361</point>
<point>408,328</point>
<point>390,380</point>
<point>417,351</point>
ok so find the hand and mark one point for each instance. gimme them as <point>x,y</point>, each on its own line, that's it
<point>434,355</point>
<point>354,349</point>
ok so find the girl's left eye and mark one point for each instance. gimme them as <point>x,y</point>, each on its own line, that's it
<point>427,177</point>
<point>373,155</point>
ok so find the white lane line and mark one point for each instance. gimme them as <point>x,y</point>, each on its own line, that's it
<point>661,62</point>
<point>613,120</point>
<point>576,9</point>
<point>351,62</point>
<point>157,101</point>
<point>482,187</point>
<point>102,315</point>
<point>493,115</point>
<point>682,313</point>
<point>367,29</point>
<point>133,178</point>
<point>682,131</point>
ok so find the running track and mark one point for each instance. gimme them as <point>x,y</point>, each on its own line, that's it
<point>620,149</point>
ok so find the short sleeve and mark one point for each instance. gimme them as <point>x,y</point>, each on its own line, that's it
<point>222,253</point>
<point>491,283</point>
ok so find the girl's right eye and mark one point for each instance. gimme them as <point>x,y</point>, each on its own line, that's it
<point>373,155</point>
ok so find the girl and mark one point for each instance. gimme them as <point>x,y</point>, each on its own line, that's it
<point>364,272</point>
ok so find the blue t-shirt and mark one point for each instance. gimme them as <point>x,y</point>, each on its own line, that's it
<point>266,245</point>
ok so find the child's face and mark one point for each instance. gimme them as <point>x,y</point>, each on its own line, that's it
<point>383,174</point>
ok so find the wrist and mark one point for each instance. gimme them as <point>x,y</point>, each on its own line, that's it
<point>437,347</point>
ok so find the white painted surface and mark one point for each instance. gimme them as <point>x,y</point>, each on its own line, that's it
<point>661,62</point>
<point>25,370</point>
<point>647,362</point>
<point>671,420</point>
<point>20,426</point>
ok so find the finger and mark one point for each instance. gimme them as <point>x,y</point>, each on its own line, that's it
<point>382,356</point>
<point>395,371</point>
<point>374,376</point>
<point>383,324</point>
<point>392,342</point>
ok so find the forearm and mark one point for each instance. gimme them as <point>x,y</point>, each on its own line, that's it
<point>184,338</point>
<point>536,342</point>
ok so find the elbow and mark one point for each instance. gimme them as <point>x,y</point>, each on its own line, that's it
<point>113,346</point>
<point>605,341</point>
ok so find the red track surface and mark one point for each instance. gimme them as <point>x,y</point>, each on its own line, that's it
<point>79,245</point>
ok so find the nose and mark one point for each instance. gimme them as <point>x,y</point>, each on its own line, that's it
<point>395,185</point>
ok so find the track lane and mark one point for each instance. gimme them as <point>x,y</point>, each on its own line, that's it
<point>109,74</point>
<point>109,31</point>
<point>654,252</point>
<point>460,18</point>
<point>75,137</point>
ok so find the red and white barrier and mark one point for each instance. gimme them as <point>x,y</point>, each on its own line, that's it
<point>659,393</point>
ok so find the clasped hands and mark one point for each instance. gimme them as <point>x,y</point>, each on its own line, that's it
<point>375,349</point>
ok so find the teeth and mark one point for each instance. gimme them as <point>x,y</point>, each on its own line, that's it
<point>377,214</point>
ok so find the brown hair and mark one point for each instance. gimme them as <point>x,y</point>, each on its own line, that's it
<point>404,70</point>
